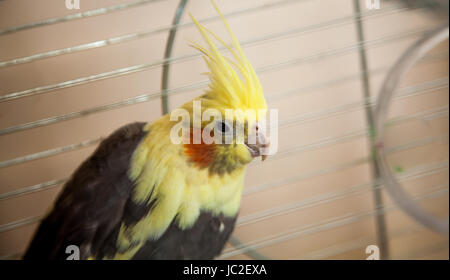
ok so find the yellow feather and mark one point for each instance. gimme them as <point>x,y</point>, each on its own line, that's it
<point>234,82</point>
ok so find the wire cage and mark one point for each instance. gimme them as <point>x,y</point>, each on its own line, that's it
<point>361,88</point>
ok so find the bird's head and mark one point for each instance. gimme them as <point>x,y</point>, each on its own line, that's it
<point>230,126</point>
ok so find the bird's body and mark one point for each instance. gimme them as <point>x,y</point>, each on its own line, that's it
<point>98,200</point>
<point>142,195</point>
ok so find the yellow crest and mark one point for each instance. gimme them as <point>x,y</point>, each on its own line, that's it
<point>234,82</point>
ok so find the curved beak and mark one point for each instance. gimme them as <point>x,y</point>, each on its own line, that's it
<point>259,146</point>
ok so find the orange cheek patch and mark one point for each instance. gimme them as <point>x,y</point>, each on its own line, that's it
<point>202,154</point>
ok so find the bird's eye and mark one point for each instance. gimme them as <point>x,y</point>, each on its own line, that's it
<point>223,127</point>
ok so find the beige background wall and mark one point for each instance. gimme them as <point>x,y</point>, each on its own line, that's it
<point>318,185</point>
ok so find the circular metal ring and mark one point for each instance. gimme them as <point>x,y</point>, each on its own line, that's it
<point>397,72</point>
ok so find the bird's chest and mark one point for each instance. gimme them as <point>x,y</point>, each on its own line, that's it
<point>188,207</point>
<point>219,195</point>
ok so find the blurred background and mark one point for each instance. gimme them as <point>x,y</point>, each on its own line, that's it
<point>69,77</point>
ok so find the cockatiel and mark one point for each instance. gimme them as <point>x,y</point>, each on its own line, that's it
<point>142,196</point>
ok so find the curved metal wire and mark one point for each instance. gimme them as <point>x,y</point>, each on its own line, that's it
<point>168,55</point>
<point>398,71</point>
